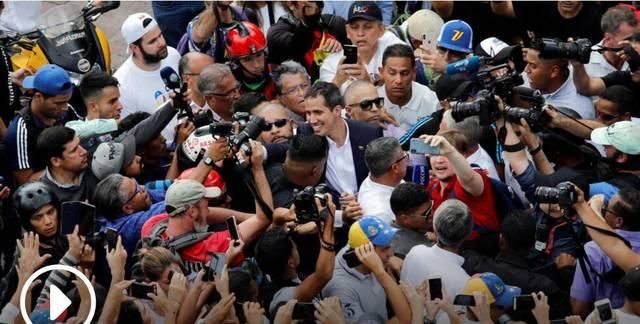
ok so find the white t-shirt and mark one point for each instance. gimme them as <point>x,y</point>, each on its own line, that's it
<point>144,90</point>
<point>423,103</point>
<point>330,65</point>
<point>623,317</point>
<point>374,199</point>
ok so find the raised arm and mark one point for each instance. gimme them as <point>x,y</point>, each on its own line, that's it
<point>503,8</point>
<point>586,85</point>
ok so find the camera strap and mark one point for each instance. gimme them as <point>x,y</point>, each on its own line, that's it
<point>251,185</point>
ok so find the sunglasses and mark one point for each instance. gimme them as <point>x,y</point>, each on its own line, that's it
<point>368,104</point>
<point>277,123</point>
<point>606,117</point>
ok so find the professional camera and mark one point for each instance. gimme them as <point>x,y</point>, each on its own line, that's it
<point>502,86</point>
<point>532,116</point>
<point>551,48</point>
<point>242,118</point>
<point>563,194</point>
<point>633,58</point>
<point>202,118</point>
<point>484,106</point>
<point>252,130</point>
<point>221,129</point>
<point>529,95</point>
<point>304,201</point>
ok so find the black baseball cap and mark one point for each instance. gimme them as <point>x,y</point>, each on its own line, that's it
<point>367,10</point>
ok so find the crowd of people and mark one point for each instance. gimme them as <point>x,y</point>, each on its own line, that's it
<point>333,162</point>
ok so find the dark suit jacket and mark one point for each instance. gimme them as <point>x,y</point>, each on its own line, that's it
<point>360,134</point>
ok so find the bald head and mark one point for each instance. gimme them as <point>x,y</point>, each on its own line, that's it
<point>357,92</point>
<point>193,63</point>
<point>355,89</point>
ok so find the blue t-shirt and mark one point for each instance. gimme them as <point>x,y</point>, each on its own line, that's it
<point>130,226</point>
<point>604,188</point>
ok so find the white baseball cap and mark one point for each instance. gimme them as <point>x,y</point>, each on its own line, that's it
<point>623,135</point>
<point>136,25</point>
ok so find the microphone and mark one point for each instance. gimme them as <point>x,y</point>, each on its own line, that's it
<point>420,175</point>
<point>470,64</point>
<point>171,79</point>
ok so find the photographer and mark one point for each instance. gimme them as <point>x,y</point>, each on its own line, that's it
<point>278,257</point>
<point>549,72</point>
<point>616,103</point>
<point>629,78</point>
<point>620,214</point>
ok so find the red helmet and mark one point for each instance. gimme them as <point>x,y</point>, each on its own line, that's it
<point>245,39</point>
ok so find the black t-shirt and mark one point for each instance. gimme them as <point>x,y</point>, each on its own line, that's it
<point>623,78</point>
<point>544,20</point>
<point>485,23</point>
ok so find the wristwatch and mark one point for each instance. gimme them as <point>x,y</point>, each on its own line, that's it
<point>208,161</point>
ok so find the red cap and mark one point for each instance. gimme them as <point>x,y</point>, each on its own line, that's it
<point>245,39</point>
<point>213,179</point>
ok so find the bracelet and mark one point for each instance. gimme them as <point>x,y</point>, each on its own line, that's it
<point>513,148</point>
<point>536,150</point>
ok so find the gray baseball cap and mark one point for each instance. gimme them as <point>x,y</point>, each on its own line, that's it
<point>184,193</point>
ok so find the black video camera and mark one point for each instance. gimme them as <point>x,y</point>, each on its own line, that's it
<point>579,50</point>
<point>251,130</point>
<point>242,118</point>
<point>304,201</point>
<point>221,129</point>
<point>532,116</point>
<point>563,194</point>
<point>484,106</point>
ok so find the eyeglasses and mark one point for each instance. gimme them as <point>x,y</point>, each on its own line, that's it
<point>605,116</point>
<point>191,73</point>
<point>605,209</point>
<point>236,89</point>
<point>135,193</point>
<point>278,123</point>
<point>302,87</point>
<point>368,104</point>
<point>405,156</point>
<point>428,212</point>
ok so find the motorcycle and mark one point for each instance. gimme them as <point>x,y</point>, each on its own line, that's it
<point>67,37</point>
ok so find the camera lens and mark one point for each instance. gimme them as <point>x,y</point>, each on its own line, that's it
<point>547,195</point>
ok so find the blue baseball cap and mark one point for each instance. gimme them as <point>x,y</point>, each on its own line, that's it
<point>456,35</point>
<point>371,229</point>
<point>492,286</point>
<point>51,80</point>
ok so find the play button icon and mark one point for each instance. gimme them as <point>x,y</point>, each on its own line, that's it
<point>58,301</point>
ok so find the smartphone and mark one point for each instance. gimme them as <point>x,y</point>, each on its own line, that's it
<point>464,300</point>
<point>232,226</point>
<point>435,287</point>
<point>77,213</point>
<point>427,42</point>
<point>304,312</point>
<point>558,321</point>
<point>140,290</point>
<point>111,236</point>
<point>523,303</point>
<point>217,262</point>
<point>350,54</point>
<point>351,258</point>
<point>418,146</point>
<point>604,310</point>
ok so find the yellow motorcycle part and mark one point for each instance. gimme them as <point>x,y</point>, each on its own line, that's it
<point>106,50</point>
<point>31,59</point>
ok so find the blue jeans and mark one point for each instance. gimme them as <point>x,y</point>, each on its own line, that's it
<point>174,16</point>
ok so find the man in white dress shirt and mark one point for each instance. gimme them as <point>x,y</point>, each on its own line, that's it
<point>387,164</point>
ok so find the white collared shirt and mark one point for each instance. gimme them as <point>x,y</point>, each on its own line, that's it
<point>598,65</point>
<point>568,97</point>
<point>341,171</point>
<point>423,103</point>
<point>374,200</point>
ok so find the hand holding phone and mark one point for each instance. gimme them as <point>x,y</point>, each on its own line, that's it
<point>523,303</point>
<point>605,312</point>
<point>111,238</point>
<point>464,300</point>
<point>216,264</point>
<point>77,213</point>
<point>232,226</point>
<point>304,312</point>
<point>350,54</point>
<point>140,290</point>
<point>435,287</point>
<point>351,258</point>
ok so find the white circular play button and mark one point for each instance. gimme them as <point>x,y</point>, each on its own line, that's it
<point>58,301</point>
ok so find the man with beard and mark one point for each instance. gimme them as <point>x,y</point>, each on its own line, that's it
<point>141,86</point>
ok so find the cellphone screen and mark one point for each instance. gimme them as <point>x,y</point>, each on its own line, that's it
<point>604,310</point>
<point>233,228</point>
<point>111,238</point>
<point>304,312</point>
<point>77,213</point>
<point>435,288</point>
<point>464,300</point>
<point>524,303</point>
<point>140,290</point>
<point>351,54</point>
